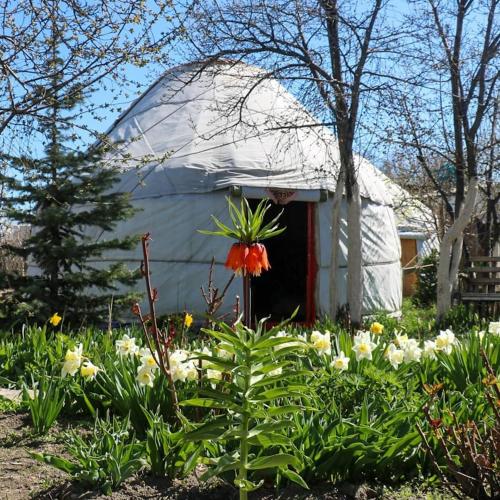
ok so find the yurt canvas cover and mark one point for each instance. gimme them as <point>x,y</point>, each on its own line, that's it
<point>201,133</point>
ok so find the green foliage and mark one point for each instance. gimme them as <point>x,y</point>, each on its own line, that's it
<point>104,459</point>
<point>247,225</point>
<point>117,388</point>
<point>279,402</point>
<point>463,366</point>
<point>45,402</point>
<point>375,442</point>
<point>168,453</point>
<point>257,403</point>
<point>426,290</point>
<point>463,318</point>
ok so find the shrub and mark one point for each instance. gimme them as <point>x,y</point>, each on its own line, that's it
<point>426,289</point>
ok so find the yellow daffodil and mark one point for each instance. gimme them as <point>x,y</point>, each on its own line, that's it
<point>89,370</point>
<point>377,328</point>
<point>72,361</point>
<point>188,320</point>
<point>55,319</point>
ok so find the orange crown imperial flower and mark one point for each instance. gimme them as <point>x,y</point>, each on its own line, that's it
<point>252,259</point>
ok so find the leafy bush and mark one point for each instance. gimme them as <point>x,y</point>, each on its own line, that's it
<point>105,459</point>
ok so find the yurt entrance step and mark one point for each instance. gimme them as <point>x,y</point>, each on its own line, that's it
<point>291,280</point>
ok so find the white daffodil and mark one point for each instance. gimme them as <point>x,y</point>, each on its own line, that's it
<point>147,358</point>
<point>480,335</point>
<point>494,328</point>
<point>178,372</point>
<point>363,346</point>
<point>145,376</point>
<point>363,335</point>
<point>191,371</point>
<point>400,340</point>
<point>430,349</point>
<point>72,361</point>
<point>89,370</point>
<point>340,362</point>
<point>412,351</point>
<point>394,355</point>
<point>445,341</point>
<point>321,342</point>
<point>178,357</point>
<point>126,346</point>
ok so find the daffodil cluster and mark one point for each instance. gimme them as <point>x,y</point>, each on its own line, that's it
<point>406,350</point>
<point>321,342</point>
<point>74,361</point>
<point>147,369</point>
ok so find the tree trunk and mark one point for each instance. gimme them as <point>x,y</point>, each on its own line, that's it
<point>354,261</point>
<point>452,243</point>
<point>335,255</point>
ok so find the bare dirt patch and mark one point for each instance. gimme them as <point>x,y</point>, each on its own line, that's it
<point>20,474</point>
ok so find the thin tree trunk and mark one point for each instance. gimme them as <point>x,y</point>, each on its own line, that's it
<point>354,262</point>
<point>335,242</point>
<point>452,242</point>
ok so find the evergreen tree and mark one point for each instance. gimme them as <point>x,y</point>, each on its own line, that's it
<point>64,196</point>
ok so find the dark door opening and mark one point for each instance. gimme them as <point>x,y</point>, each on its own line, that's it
<point>277,292</point>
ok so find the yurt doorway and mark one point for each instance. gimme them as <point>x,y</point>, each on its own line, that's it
<point>291,280</point>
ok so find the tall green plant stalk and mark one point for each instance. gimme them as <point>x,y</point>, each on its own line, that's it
<point>260,393</point>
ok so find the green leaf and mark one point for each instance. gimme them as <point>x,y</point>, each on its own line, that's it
<point>246,485</point>
<point>210,430</point>
<point>283,410</point>
<point>208,403</point>
<point>281,460</point>
<point>293,476</point>
<point>57,462</point>
<point>225,463</point>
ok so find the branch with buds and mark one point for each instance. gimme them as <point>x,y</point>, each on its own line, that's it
<point>212,297</point>
<point>159,341</point>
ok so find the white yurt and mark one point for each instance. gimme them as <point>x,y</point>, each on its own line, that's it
<point>203,132</point>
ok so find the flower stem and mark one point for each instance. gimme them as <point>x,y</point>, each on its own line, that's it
<point>247,300</point>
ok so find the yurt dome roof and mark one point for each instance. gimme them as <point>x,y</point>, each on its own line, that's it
<point>204,127</point>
